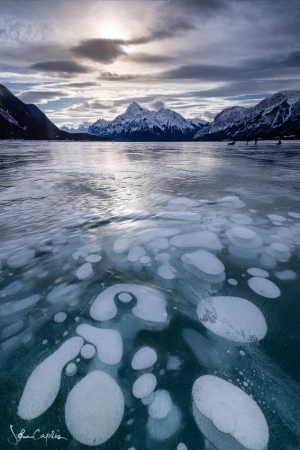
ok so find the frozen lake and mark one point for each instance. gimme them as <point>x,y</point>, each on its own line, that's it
<point>149,296</point>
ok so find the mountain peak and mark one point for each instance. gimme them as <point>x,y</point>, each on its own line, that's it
<point>134,107</point>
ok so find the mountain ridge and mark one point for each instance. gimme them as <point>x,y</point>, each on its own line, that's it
<point>139,123</point>
<point>21,121</point>
<point>275,116</point>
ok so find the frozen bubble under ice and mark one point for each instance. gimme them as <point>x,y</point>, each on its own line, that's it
<point>241,219</point>
<point>124,297</point>
<point>160,243</point>
<point>135,253</point>
<point>43,384</point>
<point>232,281</point>
<point>257,272</point>
<point>294,215</point>
<point>108,343</point>
<point>144,358</point>
<point>174,215</point>
<point>161,405</point>
<point>71,369</point>
<point>205,239</point>
<point>93,258</point>
<point>276,218</point>
<point>264,287</point>
<point>144,385</point>
<point>90,417</point>
<point>120,245</point>
<point>151,304</point>
<point>85,271</point>
<point>231,410</point>
<point>88,351</point>
<point>166,272</point>
<point>232,318</point>
<point>21,258</point>
<point>243,237</point>
<point>60,317</point>
<point>204,261</point>
<point>286,275</point>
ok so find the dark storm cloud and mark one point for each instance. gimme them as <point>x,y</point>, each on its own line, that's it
<point>69,67</point>
<point>100,50</point>
<point>38,96</point>
<point>202,6</point>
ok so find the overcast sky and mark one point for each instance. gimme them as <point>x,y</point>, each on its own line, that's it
<point>80,60</point>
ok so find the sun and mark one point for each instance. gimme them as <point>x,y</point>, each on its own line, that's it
<point>112,30</point>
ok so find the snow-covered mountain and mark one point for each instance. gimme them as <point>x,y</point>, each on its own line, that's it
<point>277,115</point>
<point>83,128</point>
<point>140,124</point>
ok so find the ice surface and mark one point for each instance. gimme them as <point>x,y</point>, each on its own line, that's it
<point>12,307</point>
<point>242,219</point>
<point>205,239</point>
<point>43,384</point>
<point>151,304</point>
<point>182,202</point>
<point>257,272</point>
<point>85,271</point>
<point>94,409</point>
<point>231,410</point>
<point>166,272</point>
<point>88,351</point>
<point>243,237</point>
<point>232,318</point>
<point>286,275</point>
<point>21,258</point>
<point>186,216</point>
<point>144,385</point>
<point>263,287</point>
<point>136,252</point>
<point>60,317</point>
<point>120,245</point>
<point>144,358</point>
<point>108,343</point>
<point>161,406</point>
<point>204,261</point>
<point>71,369</point>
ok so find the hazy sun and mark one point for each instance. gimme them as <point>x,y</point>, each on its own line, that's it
<point>111,30</point>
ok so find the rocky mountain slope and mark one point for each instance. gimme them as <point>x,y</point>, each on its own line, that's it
<point>21,121</point>
<point>277,115</point>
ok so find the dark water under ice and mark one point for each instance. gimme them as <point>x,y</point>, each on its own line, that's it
<point>57,197</point>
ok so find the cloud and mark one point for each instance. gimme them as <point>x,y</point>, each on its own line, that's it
<point>206,7</point>
<point>111,76</point>
<point>157,104</point>
<point>41,96</point>
<point>164,31</point>
<point>148,58</point>
<point>65,67</point>
<point>100,50</point>
<point>82,84</point>
<point>205,72</point>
